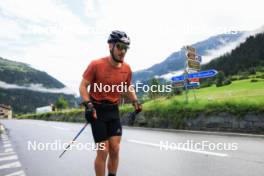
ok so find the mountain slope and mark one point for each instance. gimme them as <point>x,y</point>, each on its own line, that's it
<point>176,60</point>
<point>22,74</point>
<point>249,54</point>
<point>20,87</point>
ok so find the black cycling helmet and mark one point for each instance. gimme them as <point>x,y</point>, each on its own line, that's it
<point>118,36</point>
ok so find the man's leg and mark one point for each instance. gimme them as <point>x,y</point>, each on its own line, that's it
<point>100,160</point>
<point>114,144</point>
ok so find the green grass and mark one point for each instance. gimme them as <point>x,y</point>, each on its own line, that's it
<point>239,98</point>
<point>72,115</point>
<point>241,91</point>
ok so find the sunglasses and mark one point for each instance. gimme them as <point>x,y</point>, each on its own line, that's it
<point>122,46</point>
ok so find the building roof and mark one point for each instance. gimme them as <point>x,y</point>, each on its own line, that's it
<point>5,106</point>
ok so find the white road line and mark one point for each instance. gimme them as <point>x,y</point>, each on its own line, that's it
<point>7,145</point>
<point>11,165</point>
<point>2,128</point>
<point>8,150</point>
<point>4,137</point>
<point>13,157</point>
<point>7,153</point>
<point>60,128</point>
<point>6,142</point>
<point>19,173</point>
<point>40,124</point>
<point>180,149</point>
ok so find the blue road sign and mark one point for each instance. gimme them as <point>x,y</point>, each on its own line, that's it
<point>202,74</point>
<point>178,78</point>
<point>193,85</point>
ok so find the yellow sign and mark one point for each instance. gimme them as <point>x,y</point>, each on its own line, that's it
<point>191,52</point>
<point>193,64</point>
<point>191,49</point>
<point>191,56</point>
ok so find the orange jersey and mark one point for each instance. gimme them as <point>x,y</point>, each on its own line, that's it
<point>102,75</point>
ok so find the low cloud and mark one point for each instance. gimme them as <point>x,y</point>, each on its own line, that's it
<point>168,76</point>
<point>212,54</point>
<point>37,88</point>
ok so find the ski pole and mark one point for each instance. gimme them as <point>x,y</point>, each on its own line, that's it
<point>85,125</point>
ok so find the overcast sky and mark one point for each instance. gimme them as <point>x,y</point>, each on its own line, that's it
<point>61,37</point>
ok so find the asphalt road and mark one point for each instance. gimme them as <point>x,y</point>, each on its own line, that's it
<point>32,147</point>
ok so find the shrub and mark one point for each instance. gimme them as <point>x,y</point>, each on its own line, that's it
<point>234,79</point>
<point>227,82</point>
<point>243,77</point>
<point>262,76</point>
<point>253,80</point>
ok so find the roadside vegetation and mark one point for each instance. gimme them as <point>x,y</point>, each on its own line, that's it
<point>238,98</point>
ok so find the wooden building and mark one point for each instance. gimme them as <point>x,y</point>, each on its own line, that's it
<point>5,111</point>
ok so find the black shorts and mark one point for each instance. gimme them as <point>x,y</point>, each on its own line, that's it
<point>107,123</point>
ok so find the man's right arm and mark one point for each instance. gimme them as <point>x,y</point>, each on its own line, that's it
<point>89,108</point>
<point>83,90</point>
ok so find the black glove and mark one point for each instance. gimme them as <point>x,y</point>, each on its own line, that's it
<point>90,112</point>
<point>137,105</point>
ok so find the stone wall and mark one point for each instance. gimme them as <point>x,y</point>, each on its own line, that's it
<point>250,123</point>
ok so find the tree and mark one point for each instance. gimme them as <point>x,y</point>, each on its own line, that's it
<point>220,77</point>
<point>61,103</point>
<point>176,91</point>
<point>252,71</point>
<point>154,94</point>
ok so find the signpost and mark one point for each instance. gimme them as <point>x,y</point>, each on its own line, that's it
<point>189,85</point>
<point>178,78</point>
<point>191,56</point>
<point>193,61</point>
<point>192,66</point>
<point>190,49</point>
<point>178,84</point>
<point>193,85</point>
<point>194,80</point>
<point>198,58</point>
<point>202,74</point>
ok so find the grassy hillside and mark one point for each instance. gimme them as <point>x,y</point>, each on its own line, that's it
<point>243,94</point>
<point>243,90</point>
